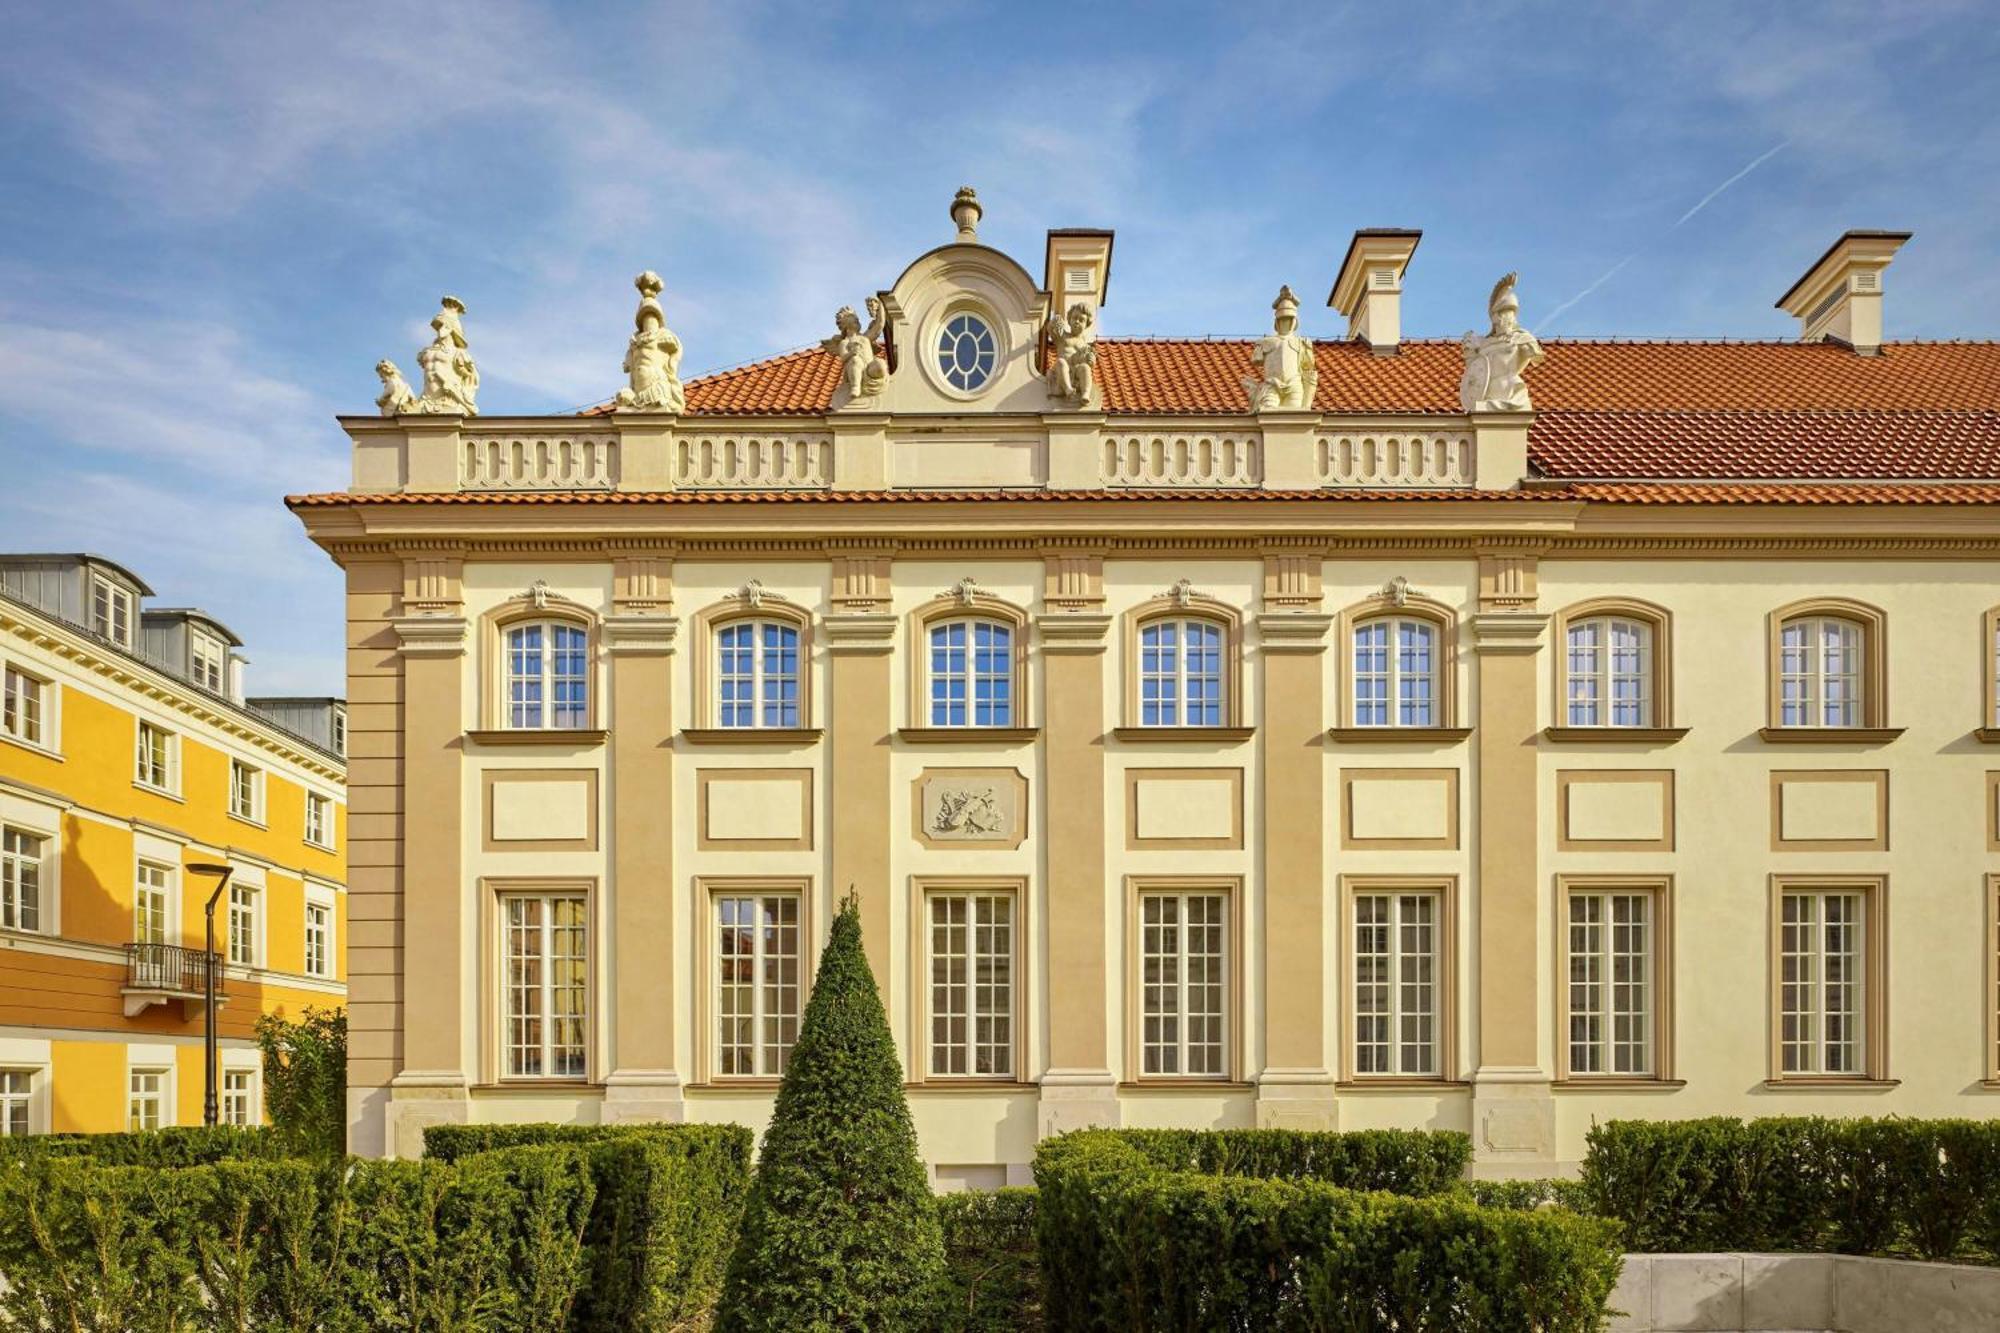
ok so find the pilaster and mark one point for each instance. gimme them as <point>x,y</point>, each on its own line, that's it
<point>640,637</point>
<point>431,452</point>
<point>1513,1110</point>
<point>1075,461</point>
<point>645,450</point>
<point>1078,1088</point>
<point>860,637</point>
<point>860,450</point>
<point>1287,447</point>
<point>1500,449</point>
<point>1295,1089</point>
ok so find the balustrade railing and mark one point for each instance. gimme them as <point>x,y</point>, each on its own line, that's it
<point>753,462</point>
<point>171,968</point>
<point>520,461</point>
<point>1393,460</point>
<point>1190,459</point>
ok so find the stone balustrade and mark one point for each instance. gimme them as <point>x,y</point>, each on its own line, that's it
<point>524,460</point>
<point>722,462</point>
<point>1201,460</point>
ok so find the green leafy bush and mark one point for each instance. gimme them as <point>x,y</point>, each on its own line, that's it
<point>305,1080</point>
<point>1401,1161</point>
<point>993,1276</point>
<point>1129,1242</point>
<point>192,1145</point>
<point>1889,1186</point>
<point>840,1230</point>
<point>1523,1195</point>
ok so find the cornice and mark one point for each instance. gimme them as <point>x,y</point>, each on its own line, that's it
<point>859,633</point>
<point>1508,633</point>
<point>639,635</point>
<point>430,636</point>
<point>1074,631</point>
<point>1294,631</point>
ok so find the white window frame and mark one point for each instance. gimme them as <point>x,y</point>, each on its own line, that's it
<point>319,819</point>
<point>544,677</point>
<point>969,675</point>
<point>989,1010</point>
<point>1590,691</point>
<point>170,760</point>
<point>1812,676</point>
<point>546,1047</point>
<point>766,1057</point>
<point>1168,999</point>
<point>25,848</point>
<point>150,1066</point>
<point>19,685</point>
<point>245,907</point>
<point>1400,960</point>
<point>1808,1022</point>
<point>20,1105</point>
<point>250,1094</point>
<point>1595,942</point>
<point>1174,678</point>
<point>761,678</point>
<point>253,813</point>
<point>167,875</point>
<point>339,732</point>
<point>320,900</point>
<point>1397,673</point>
<point>118,601</point>
<point>208,657</point>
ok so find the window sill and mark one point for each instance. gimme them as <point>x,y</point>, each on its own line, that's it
<point>321,846</point>
<point>1398,735</point>
<point>1830,735</point>
<point>737,1085</point>
<point>32,747</point>
<point>577,736</point>
<point>1168,1083</point>
<point>1984,735</point>
<point>970,1085</point>
<point>1168,735</point>
<point>1614,735</point>
<point>163,792</point>
<point>1399,1083</point>
<point>1618,1083</point>
<point>751,735</point>
<point>532,1085</point>
<point>252,821</point>
<point>1829,1083</point>
<point>967,735</point>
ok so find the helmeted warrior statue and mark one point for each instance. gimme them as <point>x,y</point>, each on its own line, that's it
<point>1286,358</point>
<point>1495,362</point>
<point>653,357</point>
<point>451,380</point>
<point>1072,355</point>
<point>862,369</point>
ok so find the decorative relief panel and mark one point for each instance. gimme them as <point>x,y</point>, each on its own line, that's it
<point>754,809</point>
<point>1615,810</point>
<point>1174,809</point>
<point>970,808</point>
<point>1829,810</point>
<point>539,809</point>
<point>1399,809</point>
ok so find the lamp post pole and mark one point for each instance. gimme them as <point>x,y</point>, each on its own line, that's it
<point>209,1110</point>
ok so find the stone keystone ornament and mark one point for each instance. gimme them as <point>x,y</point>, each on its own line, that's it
<point>653,356</point>
<point>1495,362</point>
<point>1285,358</point>
<point>451,378</point>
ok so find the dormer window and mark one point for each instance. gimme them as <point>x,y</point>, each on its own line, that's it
<point>206,656</point>
<point>110,611</point>
<point>967,352</point>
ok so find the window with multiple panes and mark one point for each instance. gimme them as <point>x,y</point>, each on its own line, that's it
<point>151,890</point>
<point>23,706</point>
<point>967,352</point>
<point>1822,977</point>
<point>246,790</point>
<point>208,658</point>
<point>21,856</point>
<point>319,819</point>
<point>971,982</point>
<point>319,940</point>
<point>243,908</point>
<point>758,968</point>
<point>111,610</point>
<point>1398,983</point>
<point>1181,673</point>
<point>971,674</point>
<point>17,1089</point>
<point>1821,673</point>
<point>548,676</point>
<point>1396,673</point>
<point>1608,680</point>
<point>1184,983</point>
<point>237,1101</point>
<point>757,674</point>
<point>146,1106</point>
<point>155,757</point>
<point>340,732</point>
<point>545,956</point>
<point>1612,990</point>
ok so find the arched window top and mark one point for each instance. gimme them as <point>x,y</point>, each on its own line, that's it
<point>1829,659</point>
<point>968,661</point>
<point>542,662</point>
<point>1615,668</point>
<point>754,671</point>
<point>1399,652</point>
<point>1990,716</point>
<point>1183,649</point>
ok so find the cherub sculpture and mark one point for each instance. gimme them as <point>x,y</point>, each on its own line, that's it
<point>1495,362</point>
<point>1285,356</point>
<point>862,370</point>
<point>1072,355</point>
<point>653,356</point>
<point>451,379</point>
<point>396,397</point>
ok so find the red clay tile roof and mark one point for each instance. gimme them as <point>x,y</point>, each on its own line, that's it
<point>1840,443</point>
<point>1780,493</point>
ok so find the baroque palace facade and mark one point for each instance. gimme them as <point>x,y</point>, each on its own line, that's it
<point>1344,733</point>
<point>129,757</point>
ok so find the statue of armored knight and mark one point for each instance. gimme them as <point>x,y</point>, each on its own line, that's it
<point>1072,355</point>
<point>1285,357</point>
<point>1495,363</point>
<point>653,356</point>
<point>862,369</point>
<point>451,379</point>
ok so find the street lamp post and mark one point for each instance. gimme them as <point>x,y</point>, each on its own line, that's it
<point>209,1110</point>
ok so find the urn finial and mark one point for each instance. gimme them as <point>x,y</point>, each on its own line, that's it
<point>966,212</point>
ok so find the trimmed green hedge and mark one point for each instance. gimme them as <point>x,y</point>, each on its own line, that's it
<point>993,1276</point>
<point>1401,1161</point>
<point>1131,1237</point>
<point>185,1145</point>
<point>1925,1187</point>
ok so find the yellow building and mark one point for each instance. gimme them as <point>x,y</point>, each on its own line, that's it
<point>1354,732</point>
<point>128,753</point>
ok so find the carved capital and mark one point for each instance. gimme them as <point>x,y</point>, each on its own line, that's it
<point>433,584</point>
<point>1074,632</point>
<point>1508,576</point>
<point>430,636</point>
<point>861,582</point>
<point>641,634</point>
<point>1505,633</point>
<point>642,585</point>
<point>865,633</point>
<point>1073,581</point>
<point>1292,580</point>
<point>1294,631</point>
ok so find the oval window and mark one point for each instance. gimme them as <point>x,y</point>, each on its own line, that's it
<point>967,352</point>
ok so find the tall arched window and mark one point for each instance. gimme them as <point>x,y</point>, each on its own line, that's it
<point>758,674</point>
<point>969,673</point>
<point>1608,672</point>
<point>547,680</point>
<point>1827,665</point>
<point>1183,672</point>
<point>1395,672</point>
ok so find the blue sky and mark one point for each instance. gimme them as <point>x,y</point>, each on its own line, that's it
<point>214,219</point>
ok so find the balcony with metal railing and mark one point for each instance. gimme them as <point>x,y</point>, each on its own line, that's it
<point>159,973</point>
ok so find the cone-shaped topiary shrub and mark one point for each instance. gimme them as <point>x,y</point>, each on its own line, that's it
<point>839,1231</point>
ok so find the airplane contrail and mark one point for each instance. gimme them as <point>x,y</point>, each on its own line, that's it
<point>1707,199</point>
